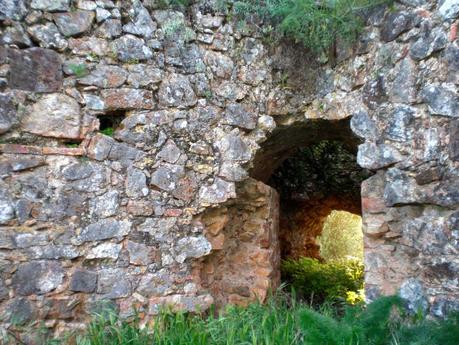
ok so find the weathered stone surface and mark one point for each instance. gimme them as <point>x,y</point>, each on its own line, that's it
<point>373,156</point>
<point>141,23</point>
<point>176,91</point>
<point>113,284</point>
<point>111,28</point>
<point>233,148</point>
<point>192,247</point>
<point>50,5</point>
<point>429,42</point>
<point>4,292</point>
<point>130,48</point>
<point>105,251</point>
<point>37,277</point>
<point>136,183</point>
<point>241,116</point>
<point>412,292</point>
<point>400,124</point>
<point>140,254</point>
<point>454,140</point>
<point>105,205</point>
<point>48,36</point>
<point>452,60</point>
<point>105,77</point>
<point>449,9</point>
<point>169,153</point>
<point>54,115</point>
<point>6,206</point>
<point>35,69</point>
<point>221,65</point>
<point>180,302</point>
<point>144,75</point>
<point>83,281</point>
<point>124,99</point>
<point>395,23</point>
<point>218,192</point>
<point>54,252</point>
<point>403,89</point>
<point>89,46</point>
<point>15,35</point>
<point>167,176</point>
<point>374,92</point>
<point>104,229</point>
<point>156,284</point>
<point>74,23</point>
<point>363,125</point>
<point>8,115</point>
<point>19,310</point>
<point>100,146</point>
<point>442,100</point>
<point>399,188</point>
<point>13,9</point>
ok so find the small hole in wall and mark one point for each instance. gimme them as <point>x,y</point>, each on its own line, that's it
<point>110,122</point>
<point>74,143</point>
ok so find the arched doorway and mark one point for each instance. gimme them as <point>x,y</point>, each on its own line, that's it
<point>272,217</point>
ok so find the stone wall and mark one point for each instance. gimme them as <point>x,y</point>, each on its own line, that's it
<point>86,217</point>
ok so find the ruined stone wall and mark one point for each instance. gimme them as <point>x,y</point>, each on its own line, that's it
<point>86,217</point>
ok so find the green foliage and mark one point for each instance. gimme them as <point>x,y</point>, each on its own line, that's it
<point>109,131</point>
<point>281,321</point>
<point>79,70</point>
<point>317,24</point>
<point>319,282</point>
<point>341,237</point>
<point>358,325</point>
<point>325,168</point>
<point>274,323</point>
<point>164,4</point>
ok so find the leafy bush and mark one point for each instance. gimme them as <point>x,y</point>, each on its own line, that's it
<point>341,237</point>
<point>330,281</point>
<point>315,23</point>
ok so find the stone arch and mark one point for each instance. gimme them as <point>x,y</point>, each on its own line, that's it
<point>250,234</point>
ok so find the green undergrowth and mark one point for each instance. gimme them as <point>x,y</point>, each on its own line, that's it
<point>337,282</point>
<point>109,131</point>
<point>317,24</point>
<point>281,321</point>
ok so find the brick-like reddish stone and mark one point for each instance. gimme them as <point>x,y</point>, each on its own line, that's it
<point>20,149</point>
<point>125,99</point>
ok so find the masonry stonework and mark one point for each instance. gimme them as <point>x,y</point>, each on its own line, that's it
<point>87,217</point>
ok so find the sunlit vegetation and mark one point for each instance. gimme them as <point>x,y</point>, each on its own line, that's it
<point>341,237</point>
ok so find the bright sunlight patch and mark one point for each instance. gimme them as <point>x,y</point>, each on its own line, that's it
<point>341,237</point>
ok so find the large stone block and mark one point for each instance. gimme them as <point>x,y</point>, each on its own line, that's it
<point>8,115</point>
<point>35,69</point>
<point>37,277</point>
<point>74,23</point>
<point>54,115</point>
<point>124,99</point>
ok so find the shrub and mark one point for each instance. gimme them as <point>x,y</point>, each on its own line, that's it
<point>314,23</point>
<point>331,281</point>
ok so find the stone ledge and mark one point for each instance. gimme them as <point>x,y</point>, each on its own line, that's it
<point>38,150</point>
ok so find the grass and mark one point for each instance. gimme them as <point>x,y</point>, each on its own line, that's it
<point>281,321</point>
<point>109,131</point>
